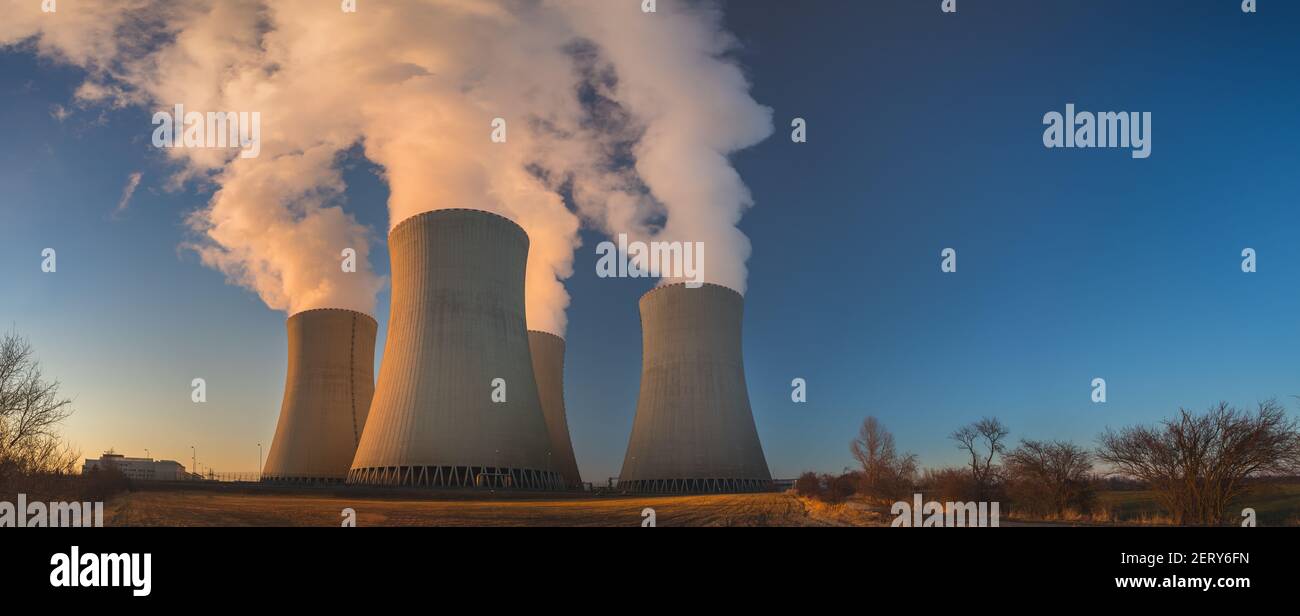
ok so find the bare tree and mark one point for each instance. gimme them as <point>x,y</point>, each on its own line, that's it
<point>1198,464</point>
<point>30,413</point>
<point>983,441</point>
<point>885,474</point>
<point>1057,470</point>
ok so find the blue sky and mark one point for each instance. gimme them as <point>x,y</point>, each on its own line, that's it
<point>924,133</point>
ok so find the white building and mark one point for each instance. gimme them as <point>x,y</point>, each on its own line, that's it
<point>143,469</point>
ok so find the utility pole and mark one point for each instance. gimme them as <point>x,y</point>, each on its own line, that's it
<point>259,459</point>
<point>194,456</point>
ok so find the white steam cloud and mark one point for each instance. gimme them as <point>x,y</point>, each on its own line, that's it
<point>628,115</point>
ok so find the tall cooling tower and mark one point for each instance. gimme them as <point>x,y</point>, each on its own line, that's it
<point>548,367</point>
<point>326,396</point>
<point>456,326</point>
<point>694,431</point>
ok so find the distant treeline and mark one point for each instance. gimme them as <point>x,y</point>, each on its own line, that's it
<point>1198,466</point>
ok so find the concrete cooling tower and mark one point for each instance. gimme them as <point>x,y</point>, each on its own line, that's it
<point>326,396</point>
<point>694,431</point>
<point>457,336</point>
<point>548,367</point>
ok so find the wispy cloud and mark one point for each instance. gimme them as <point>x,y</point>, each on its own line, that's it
<point>132,181</point>
<point>59,112</point>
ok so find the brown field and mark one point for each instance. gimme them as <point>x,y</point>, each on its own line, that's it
<point>251,505</point>
<point>234,507</point>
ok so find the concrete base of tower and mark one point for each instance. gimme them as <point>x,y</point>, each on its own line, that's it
<point>695,486</point>
<point>301,481</point>
<point>458,477</point>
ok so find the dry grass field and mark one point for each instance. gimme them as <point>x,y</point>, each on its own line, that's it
<point>1275,505</point>
<point>234,505</point>
<point>231,507</point>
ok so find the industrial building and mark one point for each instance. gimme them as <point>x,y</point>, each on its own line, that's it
<point>547,350</point>
<point>327,394</point>
<point>694,430</point>
<point>140,469</point>
<point>456,403</point>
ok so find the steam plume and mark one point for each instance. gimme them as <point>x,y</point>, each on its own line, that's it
<point>629,115</point>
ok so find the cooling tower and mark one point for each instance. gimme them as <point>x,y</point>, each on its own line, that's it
<point>326,396</point>
<point>694,431</point>
<point>456,337</point>
<point>548,367</point>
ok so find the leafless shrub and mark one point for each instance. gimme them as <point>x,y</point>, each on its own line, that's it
<point>947,484</point>
<point>839,487</point>
<point>982,440</point>
<point>102,482</point>
<point>827,488</point>
<point>886,476</point>
<point>1050,478</point>
<point>808,485</point>
<point>1197,464</point>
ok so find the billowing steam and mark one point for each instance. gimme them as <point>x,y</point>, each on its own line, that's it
<point>629,115</point>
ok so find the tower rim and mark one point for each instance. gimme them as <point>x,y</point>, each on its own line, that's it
<point>450,210</point>
<point>546,333</point>
<point>683,284</point>
<point>348,310</point>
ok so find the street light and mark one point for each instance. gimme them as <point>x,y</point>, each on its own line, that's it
<point>259,459</point>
